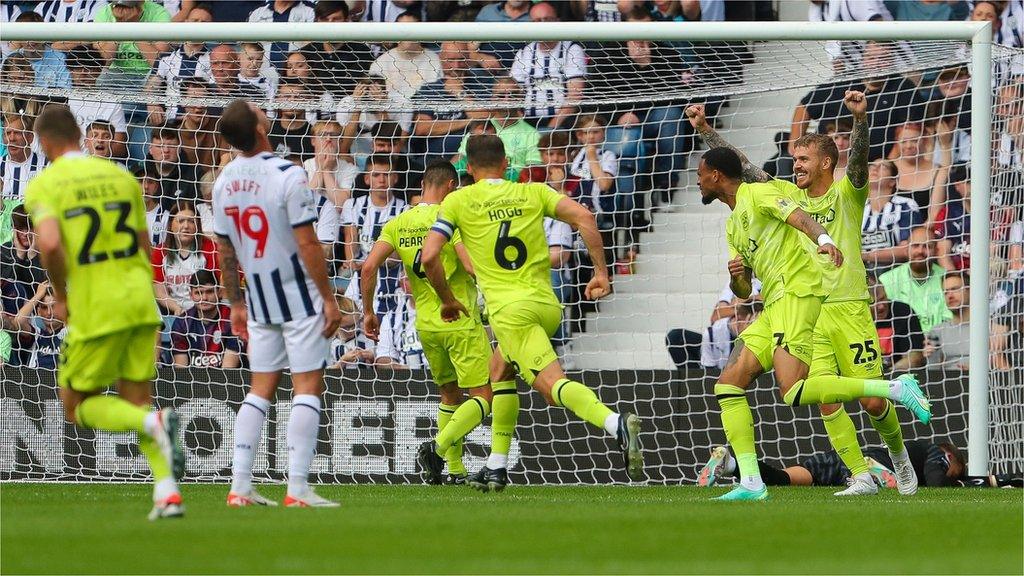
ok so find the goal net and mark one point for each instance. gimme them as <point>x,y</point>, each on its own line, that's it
<point>602,122</point>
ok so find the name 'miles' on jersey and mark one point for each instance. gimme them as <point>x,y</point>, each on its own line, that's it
<point>257,201</point>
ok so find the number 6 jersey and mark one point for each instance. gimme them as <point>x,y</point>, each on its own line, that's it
<point>257,201</point>
<point>502,228</point>
<point>98,206</point>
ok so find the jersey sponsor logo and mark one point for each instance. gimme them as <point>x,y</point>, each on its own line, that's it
<point>825,218</point>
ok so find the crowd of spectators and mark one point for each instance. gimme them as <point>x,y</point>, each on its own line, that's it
<point>363,120</point>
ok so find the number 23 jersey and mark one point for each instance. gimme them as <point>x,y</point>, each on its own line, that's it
<point>257,201</point>
<point>99,208</point>
<point>502,228</point>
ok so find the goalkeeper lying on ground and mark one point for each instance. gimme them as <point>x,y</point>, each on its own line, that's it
<point>936,465</point>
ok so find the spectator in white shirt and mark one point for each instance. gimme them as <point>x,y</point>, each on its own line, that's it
<point>86,64</point>
<point>553,73</point>
<point>330,174</point>
<point>21,162</point>
<point>596,169</point>
<point>254,71</point>
<point>407,66</point>
<point>190,60</point>
<point>282,11</point>
<point>399,346</point>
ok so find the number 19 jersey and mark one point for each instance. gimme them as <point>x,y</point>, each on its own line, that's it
<point>257,201</point>
<point>502,228</point>
<point>99,208</point>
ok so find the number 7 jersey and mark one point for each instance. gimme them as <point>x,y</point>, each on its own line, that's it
<point>98,206</point>
<point>257,201</point>
<point>502,228</point>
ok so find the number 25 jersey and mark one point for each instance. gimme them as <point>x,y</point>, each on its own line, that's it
<point>98,206</point>
<point>502,227</point>
<point>257,201</point>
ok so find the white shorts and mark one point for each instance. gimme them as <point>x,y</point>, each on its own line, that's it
<point>298,345</point>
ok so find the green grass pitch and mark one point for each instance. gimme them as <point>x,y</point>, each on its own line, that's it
<point>101,528</point>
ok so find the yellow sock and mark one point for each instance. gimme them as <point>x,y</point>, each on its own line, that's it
<point>581,401</point>
<point>843,436</point>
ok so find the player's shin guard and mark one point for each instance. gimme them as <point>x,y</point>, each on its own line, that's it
<point>111,413</point>
<point>738,422</point>
<point>582,401</point>
<point>248,426</point>
<point>843,436</point>
<point>834,390</point>
<point>466,417</point>
<point>303,425</point>
<point>888,426</point>
<point>504,414</point>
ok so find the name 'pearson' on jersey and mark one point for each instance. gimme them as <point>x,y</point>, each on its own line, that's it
<point>257,201</point>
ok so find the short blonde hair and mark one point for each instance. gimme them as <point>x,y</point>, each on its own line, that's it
<point>322,125</point>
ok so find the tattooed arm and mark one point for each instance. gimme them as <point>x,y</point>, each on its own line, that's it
<point>695,113</point>
<point>857,167</point>
<point>229,277</point>
<point>803,222</point>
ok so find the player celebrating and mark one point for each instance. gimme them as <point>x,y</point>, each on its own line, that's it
<point>763,238</point>
<point>501,225</point>
<point>845,341</point>
<point>90,224</point>
<point>263,213</point>
<point>458,353</point>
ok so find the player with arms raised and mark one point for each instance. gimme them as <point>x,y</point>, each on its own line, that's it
<point>845,339</point>
<point>502,227</point>
<point>458,352</point>
<point>763,233</point>
<point>90,224</point>
<point>263,214</point>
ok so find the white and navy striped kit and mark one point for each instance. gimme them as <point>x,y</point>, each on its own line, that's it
<point>9,12</point>
<point>178,66</point>
<point>544,75</point>
<point>69,12</point>
<point>257,201</point>
<point>398,337</point>
<point>15,175</point>
<point>157,221</point>
<point>368,219</point>
<point>886,229</point>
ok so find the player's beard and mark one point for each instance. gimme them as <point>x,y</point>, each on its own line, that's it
<point>707,199</point>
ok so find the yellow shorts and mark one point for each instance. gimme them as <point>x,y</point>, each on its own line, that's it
<point>786,323</point>
<point>461,356</point>
<point>524,331</point>
<point>846,341</point>
<point>96,364</point>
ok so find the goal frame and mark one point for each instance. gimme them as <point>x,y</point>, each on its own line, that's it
<point>977,34</point>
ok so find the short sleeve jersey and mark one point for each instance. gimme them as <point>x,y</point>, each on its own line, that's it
<point>405,233</point>
<point>840,211</point>
<point>99,208</point>
<point>757,231</point>
<point>502,227</point>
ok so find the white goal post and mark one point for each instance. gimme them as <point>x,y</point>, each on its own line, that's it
<point>978,35</point>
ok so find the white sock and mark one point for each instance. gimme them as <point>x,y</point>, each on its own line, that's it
<point>495,461</point>
<point>895,390</point>
<point>163,489</point>
<point>901,455</point>
<point>752,483</point>
<point>730,465</point>
<point>303,425</point>
<point>611,424</point>
<point>151,423</point>
<point>248,425</point>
